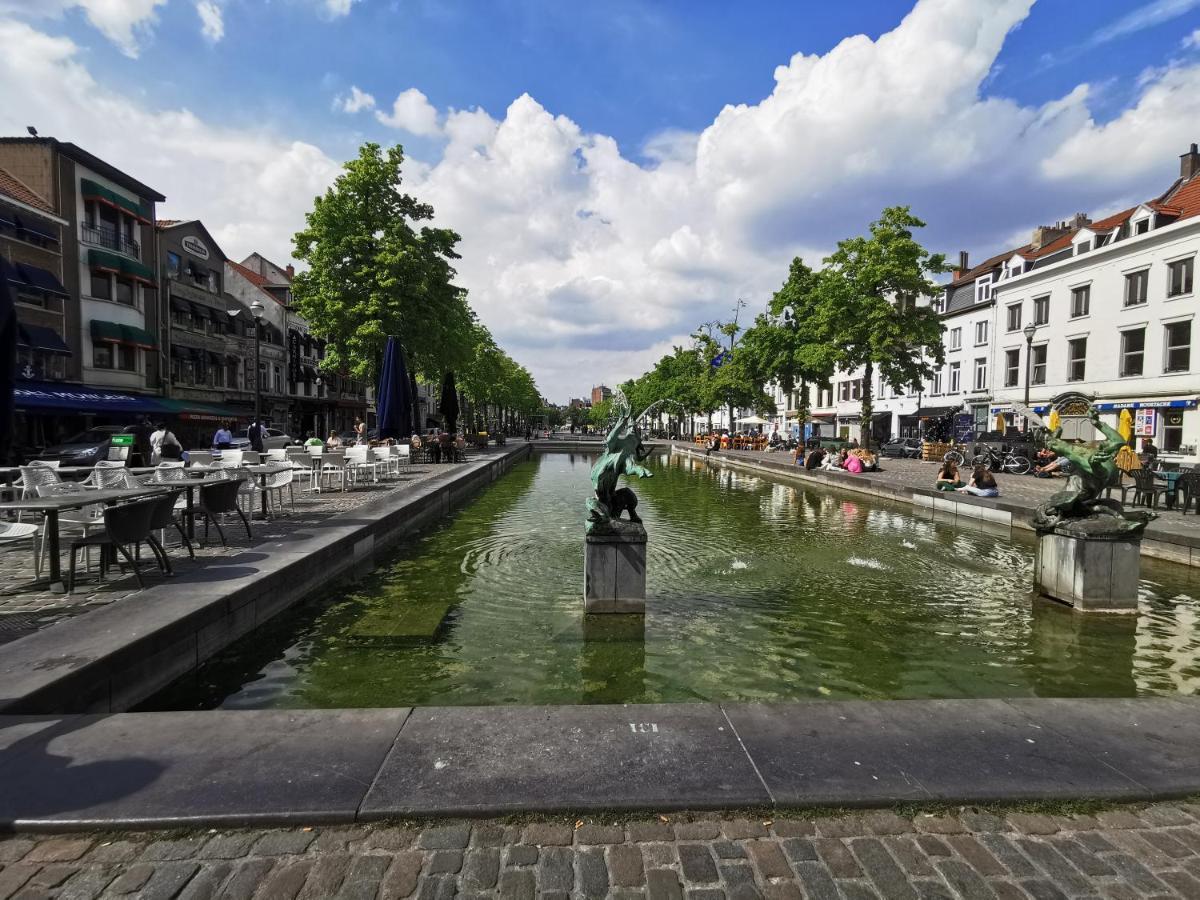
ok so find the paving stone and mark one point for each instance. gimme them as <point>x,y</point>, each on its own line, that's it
<point>881,868</point>
<point>326,876</point>
<point>53,875</point>
<point>285,881</point>
<point>1033,823</point>
<point>1190,837</point>
<point>521,855</point>
<point>436,887</point>
<point>1095,841</point>
<point>783,890</point>
<point>938,825</point>
<point>705,894</point>
<point>1054,864</point>
<point>58,850</point>
<point>599,834</point>
<point>87,884</point>
<point>283,843</point>
<point>1163,815</point>
<point>1001,847</point>
<point>1041,889</point>
<point>838,858</point>
<point>445,862</point>
<point>697,863</point>
<point>800,850</point>
<point>739,881</point>
<point>338,838</point>
<point>518,884</point>
<point>1133,843</point>
<point>131,879</point>
<point>228,846</point>
<point>593,873</point>
<point>1135,873</point>
<point>1078,822</point>
<point>1185,885</point>
<point>974,853</point>
<point>981,820</point>
<point>207,882</point>
<point>934,846</point>
<point>489,836</point>
<point>556,871</point>
<point>625,866</point>
<point>1118,818</point>
<point>818,883</point>
<point>659,856</point>
<point>909,855</point>
<point>697,831</point>
<point>843,826</point>
<point>363,880</point>
<point>167,880</point>
<point>729,850</point>
<point>937,890</point>
<point>663,884</point>
<point>450,837</point>
<point>548,834</point>
<point>964,879</point>
<point>245,879</point>
<point>12,849</point>
<point>481,869</point>
<point>1006,890</point>
<point>769,860</point>
<point>1082,858</point>
<point>885,822</point>
<point>790,828</point>
<point>645,832</point>
<point>400,880</point>
<point>853,890</point>
<point>1166,844</point>
<point>740,829</point>
<point>394,838</point>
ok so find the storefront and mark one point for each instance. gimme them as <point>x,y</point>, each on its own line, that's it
<point>47,413</point>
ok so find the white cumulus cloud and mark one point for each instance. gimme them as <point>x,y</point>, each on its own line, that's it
<point>124,22</point>
<point>411,112</point>
<point>336,8</point>
<point>212,22</point>
<point>356,101</point>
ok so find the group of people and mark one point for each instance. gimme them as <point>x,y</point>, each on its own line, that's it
<point>852,459</point>
<point>981,484</point>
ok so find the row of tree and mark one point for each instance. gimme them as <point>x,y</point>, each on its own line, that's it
<point>376,268</point>
<point>859,311</point>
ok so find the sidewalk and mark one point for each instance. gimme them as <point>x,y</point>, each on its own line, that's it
<point>1119,853</point>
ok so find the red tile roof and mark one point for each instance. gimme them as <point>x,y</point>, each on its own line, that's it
<point>11,186</point>
<point>1183,199</point>
<point>167,223</point>
<point>254,278</point>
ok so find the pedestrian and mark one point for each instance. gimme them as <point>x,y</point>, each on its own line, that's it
<point>164,445</point>
<point>360,431</point>
<point>223,439</point>
<point>1149,455</point>
<point>255,435</point>
<point>141,442</point>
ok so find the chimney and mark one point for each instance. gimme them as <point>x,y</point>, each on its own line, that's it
<point>963,264</point>
<point>1189,163</point>
<point>291,271</point>
<point>1080,220</point>
<point>1044,234</point>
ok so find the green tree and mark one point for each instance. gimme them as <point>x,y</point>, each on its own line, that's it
<point>374,270</point>
<point>870,290</point>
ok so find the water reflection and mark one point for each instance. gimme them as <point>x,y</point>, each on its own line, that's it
<point>612,659</point>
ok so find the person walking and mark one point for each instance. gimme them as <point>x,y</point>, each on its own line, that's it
<point>360,431</point>
<point>255,434</point>
<point>223,439</point>
<point>164,445</point>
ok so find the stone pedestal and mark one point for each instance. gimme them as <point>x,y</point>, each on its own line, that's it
<point>614,571</point>
<point>1088,572</point>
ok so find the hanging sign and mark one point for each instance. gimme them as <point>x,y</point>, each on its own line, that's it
<point>194,246</point>
<point>1145,422</point>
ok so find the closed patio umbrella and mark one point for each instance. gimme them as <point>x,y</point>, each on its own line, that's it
<point>449,404</point>
<point>1054,421</point>
<point>392,401</point>
<point>1125,425</point>
<point>8,360</point>
<point>1000,423</point>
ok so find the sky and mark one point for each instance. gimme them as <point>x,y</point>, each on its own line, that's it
<point>622,171</point>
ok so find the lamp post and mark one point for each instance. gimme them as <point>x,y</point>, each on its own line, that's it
<point>256,310</point>
<point>1029,330</point>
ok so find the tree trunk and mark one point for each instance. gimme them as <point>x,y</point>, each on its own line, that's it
<point>803,407</point>
<point>865,420</point>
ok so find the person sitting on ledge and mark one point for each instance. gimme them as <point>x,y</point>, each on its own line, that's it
<point>815,458</point>
<point>1048,463</point>
<point>982,484</point>
<point>854,464</point>
<point>948,478</point>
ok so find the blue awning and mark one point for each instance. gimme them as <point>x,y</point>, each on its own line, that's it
<point>34,229</point>
<point>80,399</point>
<point>40,338</point>
<point>1148,404</point>
<point>40,279</point>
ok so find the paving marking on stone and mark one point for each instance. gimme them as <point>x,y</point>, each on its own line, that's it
<point>1131,851</point>
<point>643,727</point>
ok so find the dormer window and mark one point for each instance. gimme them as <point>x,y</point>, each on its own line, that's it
<point>1083,247</point>
<point>983,288</point>
<point>1102,239</point>
<point>1141,226</point>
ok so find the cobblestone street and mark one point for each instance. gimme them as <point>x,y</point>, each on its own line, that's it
<point>1119,853</point>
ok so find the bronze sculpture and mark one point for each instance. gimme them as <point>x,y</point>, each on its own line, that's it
<point>1080,508</point>
<point>623,454</point>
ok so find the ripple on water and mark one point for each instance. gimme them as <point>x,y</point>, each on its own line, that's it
<point>757,591</point>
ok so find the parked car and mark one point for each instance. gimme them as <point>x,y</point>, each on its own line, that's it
<point>827,443</point>
<point>84,449</point>
<point>274,440</point>
<point>907,448</point>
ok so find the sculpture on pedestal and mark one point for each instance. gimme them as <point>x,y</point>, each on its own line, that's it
<point>623,454</point>
<point>1080,508</point>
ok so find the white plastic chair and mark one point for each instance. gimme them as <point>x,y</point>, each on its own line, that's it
<point>403,454</point>
<point>277,483</point>
<point>277,455</point>
<point>231,458</point>
<point>200,458</point>
<point>86,519</point>
<point>332,465</point>
<point>15,532</point>
<point>385,460</point>
<point>251,457</point>
<point>357,461</point>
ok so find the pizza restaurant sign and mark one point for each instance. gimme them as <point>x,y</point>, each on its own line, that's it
<point>194,246</point>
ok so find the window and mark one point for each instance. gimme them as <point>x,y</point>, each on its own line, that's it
<point>955,338</point>
<point>1178,343</point>
<point>1012,367</point>
<point>983,288</point>
<point>981,329</point>
<point>1141,227</point>
<point>1172,436</point>
<point>1102,239</point>
<point>1083,247</point>
<point>173,264</point>
<point>1179,277</point>
<point>937,383</point>
<point>844,391</point>
<point>938,303</point>
<point>1136,284</point>
<point>101,286</point>
<point>1081,301</point>
<point>1133,352</point>
<point>213,286</point>
<point>1038,375</point>
<point>955,378</point>
<point>125,292</point>
<point>856,387</point>
<point>1041,310</point>
<point>981,374</point>
<point>1014,317</point>
<point>114,356</point>
<point>1076,359</point>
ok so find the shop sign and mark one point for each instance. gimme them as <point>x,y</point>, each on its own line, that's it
<point>1145,422</point>
<point>964,427</point>
<point>1148,404</point>
<point>293,356</point>
<point>194,246</point>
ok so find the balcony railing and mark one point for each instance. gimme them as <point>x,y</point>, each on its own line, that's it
<point>112,240</point>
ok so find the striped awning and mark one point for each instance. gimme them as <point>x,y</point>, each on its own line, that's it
<point>117,333</point>
<point>93,191</point>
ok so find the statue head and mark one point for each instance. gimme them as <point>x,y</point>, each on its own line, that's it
<point>625,436</point>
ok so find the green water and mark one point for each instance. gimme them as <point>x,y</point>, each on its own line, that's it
<point>757,591</point>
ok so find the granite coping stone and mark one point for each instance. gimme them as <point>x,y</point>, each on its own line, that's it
<point>227,767</point>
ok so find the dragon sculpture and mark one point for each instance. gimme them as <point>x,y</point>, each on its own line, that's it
<point>1080,508</point>
<point>623,454</point>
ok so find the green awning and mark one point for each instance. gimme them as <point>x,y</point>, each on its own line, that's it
<point>93,191</point>
<point>135,269</point>
<point>116,333</point>
<point>103,261</point>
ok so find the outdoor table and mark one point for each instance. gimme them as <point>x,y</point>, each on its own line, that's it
<point>1172,480</point>
<point>50,507</point>
<point>265,471</point>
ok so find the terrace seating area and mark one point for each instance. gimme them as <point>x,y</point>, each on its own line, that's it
<point>67,531</point>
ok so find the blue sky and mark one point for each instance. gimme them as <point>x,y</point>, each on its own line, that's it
<point>585,151</point>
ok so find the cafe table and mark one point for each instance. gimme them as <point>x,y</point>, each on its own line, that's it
<point>262,470</point>
<point>50,507</point>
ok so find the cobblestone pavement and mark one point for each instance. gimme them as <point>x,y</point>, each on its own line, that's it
<point>1126,852</point>
<point>24,610</point>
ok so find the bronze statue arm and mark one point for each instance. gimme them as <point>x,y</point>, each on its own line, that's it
<point>1108,431</point>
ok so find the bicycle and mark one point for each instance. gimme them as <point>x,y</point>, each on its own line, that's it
<point>954,456</point>
<point>995,460</point>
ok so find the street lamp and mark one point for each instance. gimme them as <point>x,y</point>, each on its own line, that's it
<point>1029,330</point>
<point>256,310</point>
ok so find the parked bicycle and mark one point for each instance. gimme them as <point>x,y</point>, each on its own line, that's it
<point>995,461</point>
<point>954,455</point>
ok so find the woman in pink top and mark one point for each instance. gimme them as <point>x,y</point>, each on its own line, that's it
<point>854,464</point>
